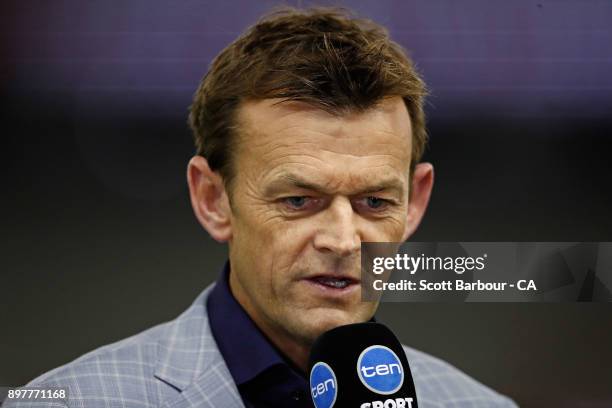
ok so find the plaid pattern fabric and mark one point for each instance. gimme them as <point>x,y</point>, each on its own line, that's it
<point>178,365</point>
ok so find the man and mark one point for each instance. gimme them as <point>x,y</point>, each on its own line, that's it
<point>309,129</point>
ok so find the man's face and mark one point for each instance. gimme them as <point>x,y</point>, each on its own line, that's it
<point>310,187</point>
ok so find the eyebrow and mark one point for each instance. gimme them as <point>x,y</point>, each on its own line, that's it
<point>285,180</point>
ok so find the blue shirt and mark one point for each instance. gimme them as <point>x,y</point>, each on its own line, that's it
<point>265,378</point>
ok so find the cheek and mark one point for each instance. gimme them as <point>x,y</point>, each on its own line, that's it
<point>390,229</point>
<point>254,226</point>
<point>274,246</point>
<point>289,243</point>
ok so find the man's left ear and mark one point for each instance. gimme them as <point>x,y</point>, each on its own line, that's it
<point>420,191</point>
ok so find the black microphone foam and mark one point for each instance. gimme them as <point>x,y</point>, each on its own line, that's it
<point>360,365</point>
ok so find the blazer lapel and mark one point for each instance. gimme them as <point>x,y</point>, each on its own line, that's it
<point>215,388</point>
<point>189,360</point>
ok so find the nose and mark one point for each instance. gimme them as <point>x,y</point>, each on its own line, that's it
<point>339,233</point>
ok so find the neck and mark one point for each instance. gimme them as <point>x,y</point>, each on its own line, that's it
<point>295,351</point>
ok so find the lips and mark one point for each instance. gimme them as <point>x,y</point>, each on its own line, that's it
<point>334,281</point>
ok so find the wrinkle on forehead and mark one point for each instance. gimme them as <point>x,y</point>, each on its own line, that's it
<point>338,149</point>
<point>269,116</point>
<point>283,179</point>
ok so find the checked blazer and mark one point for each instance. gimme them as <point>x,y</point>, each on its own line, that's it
<point>177,365</point>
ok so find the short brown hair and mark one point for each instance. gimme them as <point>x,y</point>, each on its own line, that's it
<point>324,57</point>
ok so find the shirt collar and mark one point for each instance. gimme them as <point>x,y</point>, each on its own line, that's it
<point>245,349</point>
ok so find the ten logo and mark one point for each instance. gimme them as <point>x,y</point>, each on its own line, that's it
<point>380,370</point>
<point>323,385</point>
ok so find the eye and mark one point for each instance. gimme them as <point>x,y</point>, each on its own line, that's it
<point>375,202</point>
<point>372,204</point>
<point>296,202</point>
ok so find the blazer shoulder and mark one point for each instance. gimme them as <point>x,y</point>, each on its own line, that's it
<point>119,374</point>
<point>437,381</point>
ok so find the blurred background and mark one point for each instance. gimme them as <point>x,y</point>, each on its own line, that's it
<point>98,238</point>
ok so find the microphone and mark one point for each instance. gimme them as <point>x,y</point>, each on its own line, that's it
<point>360,365</point>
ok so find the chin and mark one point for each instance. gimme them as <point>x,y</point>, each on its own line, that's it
<point>326,319</point>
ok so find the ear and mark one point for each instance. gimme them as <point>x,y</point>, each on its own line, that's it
<point>209,199</point>
<point>420,191</point>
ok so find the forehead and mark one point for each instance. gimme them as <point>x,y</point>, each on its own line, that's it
<point>277,137</point>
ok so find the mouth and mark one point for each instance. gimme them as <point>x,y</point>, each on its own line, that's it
<point>338,283</point>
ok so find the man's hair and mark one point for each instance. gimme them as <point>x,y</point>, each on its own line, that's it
<point>323,57</point>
